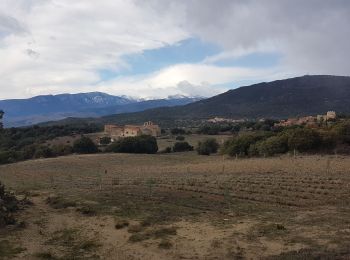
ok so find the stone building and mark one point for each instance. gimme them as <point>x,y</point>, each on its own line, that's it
<point>308,120</point>
<point>331,115</point>
<point>115,131</point>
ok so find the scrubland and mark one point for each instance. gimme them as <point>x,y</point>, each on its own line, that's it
<point>180,206</point>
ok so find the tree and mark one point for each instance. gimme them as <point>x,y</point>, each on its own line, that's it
<point>178,131</point>
<point>208,146</point>
<point>61,150</point>
<point>273,145</point>
<point>84,145</point>
<point>240,145</point>
<point>105,140</point>
<point>303,139</point>
<point>43,152</point>
<point>138,144</point>
<point>182,147</point>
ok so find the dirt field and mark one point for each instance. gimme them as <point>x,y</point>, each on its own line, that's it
<point>180,206</point>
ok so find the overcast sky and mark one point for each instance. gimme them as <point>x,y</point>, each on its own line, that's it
<point>157,48</point>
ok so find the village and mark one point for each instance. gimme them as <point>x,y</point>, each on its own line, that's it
<point>308,120</point>
<point>311,121</point>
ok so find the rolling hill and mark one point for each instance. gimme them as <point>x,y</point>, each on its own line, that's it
<point>306,95</point>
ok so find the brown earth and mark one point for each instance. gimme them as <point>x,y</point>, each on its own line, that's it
<point>180,206</point>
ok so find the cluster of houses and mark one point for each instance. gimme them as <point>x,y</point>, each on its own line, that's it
<point>308,120</point>
<point>116,131</point>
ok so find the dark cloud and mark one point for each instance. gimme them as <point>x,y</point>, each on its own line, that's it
<point>313,36</point>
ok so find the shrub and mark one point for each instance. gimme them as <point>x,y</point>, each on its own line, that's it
<point>209,129</point>
<point>178,131</point>
<point>180,138</point>
<point>138,144</point>
<point>59,202</point>
<point>43,152</point>
<point>84,145</point>
<point>8,205</point>
<point>342,132</point>
<point>105,140</point>
<point>182,147</point>
<point>208,146</point>
<point>8,157</point>
<point>62,150</point>
<point>303,139</point>
<point>273,145</point>
<point>241,145</point>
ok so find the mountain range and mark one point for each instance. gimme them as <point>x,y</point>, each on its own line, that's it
<point>23,112</point>
<point>299,96</point>
<point>294,97</point>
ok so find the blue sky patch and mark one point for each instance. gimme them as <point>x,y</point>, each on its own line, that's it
<point>191,50</point>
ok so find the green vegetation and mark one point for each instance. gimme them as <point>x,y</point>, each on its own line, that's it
<point>182,147</point>
<point>301,139</point>
<point>208,146</point>
<point>177,131</point>
<point>8,205</point>
<point>138,144</point>
<point>105,140</point>
<point>18,144</point>
<point>85,145</point>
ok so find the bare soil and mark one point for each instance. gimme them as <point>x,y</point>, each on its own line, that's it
<point>180,206</point>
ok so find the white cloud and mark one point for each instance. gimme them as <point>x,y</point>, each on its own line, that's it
<point>312,36</point>
<point>62,44</point>
<point>55,46</point>
<point>196,80</point>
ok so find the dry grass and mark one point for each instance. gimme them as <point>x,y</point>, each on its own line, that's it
<point>264,207</point>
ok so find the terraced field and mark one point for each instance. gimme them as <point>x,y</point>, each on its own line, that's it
<point>217,207</point>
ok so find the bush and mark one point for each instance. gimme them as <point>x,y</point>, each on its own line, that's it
<point>105,140</point>
<point>209,129</point>
<point>208,147</point>
<point>8,205</point>
<point>178,131</point>
<point>43,152</point>
<point>303,139</point>
<point>138,144</point>
<point>180,138</point>
<point>8,157</point>
<point>241,145</point>
<point>182,147</point>
<point>84,145</point>
<point>62,150</point>
<point>273,145</point>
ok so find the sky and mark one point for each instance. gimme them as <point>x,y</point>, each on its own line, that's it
<point>159,48</point>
